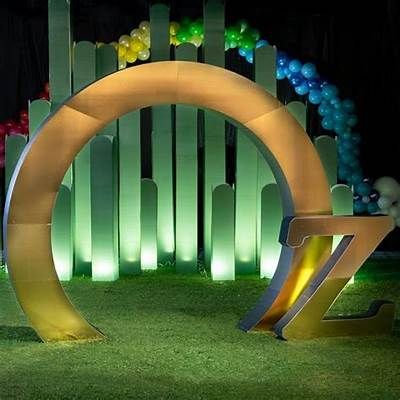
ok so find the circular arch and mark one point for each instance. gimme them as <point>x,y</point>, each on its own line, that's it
<point>42,166</point>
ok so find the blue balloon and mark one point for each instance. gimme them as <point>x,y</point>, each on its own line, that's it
<point>242,52</point>
<point>347,144</point>
<point>324,109</point>
<point>315,96</point>
<point>314,83</point>
<point>309,70</point>
<point>295,66</point>
<point>261,43</point>
<point>348,105</point>
<point>323,83</point>
<point>250,57</point>
<point>296,79</point>
<point>302,89</point>
<point>282,59</point>
<point>327,123</point>
<point>363,189</point>
<point>352,120</point>
<point>372,207</point>
<point>280,73</point>
<point>359,207</point>
<point>329,92</point>
<point>287,72</point>
<point>339,116</point>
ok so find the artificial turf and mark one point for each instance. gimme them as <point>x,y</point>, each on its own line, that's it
<point>175,337</point>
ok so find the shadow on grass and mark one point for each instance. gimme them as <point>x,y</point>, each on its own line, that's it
<point>18,334</point>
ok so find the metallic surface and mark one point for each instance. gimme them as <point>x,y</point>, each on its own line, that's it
<point>361,236</point>
<point>39,173</point>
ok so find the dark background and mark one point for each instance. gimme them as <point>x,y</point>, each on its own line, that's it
<point>355,45</point>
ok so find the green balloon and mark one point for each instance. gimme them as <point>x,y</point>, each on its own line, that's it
<point>183,35</point>
<point>255,34</point>
<point>196,28</point>
<point>233,33</point>
<point>247,42</point>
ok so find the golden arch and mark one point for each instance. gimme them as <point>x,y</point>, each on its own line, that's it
<point>41,168</point>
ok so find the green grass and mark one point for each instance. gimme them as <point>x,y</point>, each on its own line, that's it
<point>175,337</point>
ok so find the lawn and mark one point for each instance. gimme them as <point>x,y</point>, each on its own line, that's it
<point>175,337</point>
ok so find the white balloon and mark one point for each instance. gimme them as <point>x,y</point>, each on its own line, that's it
<point>394,211</point>
<point>384,203</point>
<point>388,187</point>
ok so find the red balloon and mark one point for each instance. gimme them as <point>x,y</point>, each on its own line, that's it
<point>3,131</point>
<point>9,124</point>
<point>44,96</point>
<point>47,88</point>
<point>16,130</point>
<point>23,115</point>
<point>25,127</point>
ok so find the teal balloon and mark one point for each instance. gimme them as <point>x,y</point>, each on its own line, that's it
<point>315,96</point>
<point>295,66</point>
<point>280,73</point>
<point>261,43</point>
<point>363,189</point>
<point>360,207</point>
<point>324,109</point>
<point>309,70</point>
<point>348,105</point>
<point>327,123</point>
<point>329,91</point>
<point>372,207</point>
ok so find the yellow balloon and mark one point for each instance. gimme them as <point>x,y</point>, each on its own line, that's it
<point>173,40</point>
<point>136,33</point>
<point>131,56</point>
<point>121,63</point>
<point>144,26</point>
<point>173,28</point>
<point>144,54</point>
<point>146,40</point>
<point>137,46</point>
<point>122,51</point>
<point>124,40</point>
<point>115,45</point>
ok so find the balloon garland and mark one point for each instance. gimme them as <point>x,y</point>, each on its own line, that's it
<point>337,115</point>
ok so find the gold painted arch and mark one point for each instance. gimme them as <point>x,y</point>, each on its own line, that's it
<point>44,162</point>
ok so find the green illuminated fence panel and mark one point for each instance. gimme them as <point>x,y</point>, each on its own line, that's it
<point>59,51</point>
<point>214,125</point>
<point>265,68</point>
<point>342,204</point>
<point>223,233</point>
<point>38,111</point>
<point>103,206</point>
<point>326,147</point>
<point>129,193</point>
<point>14,146</point>
<point>299,111</point>
<point>159,28</point>
<point>271,219</point>
<point>84,72</point>
<point>61,234</point>
<point>148,224</point>
<point>265,75</point>
<point>186,177</point>
<point>162,161</point>
<point>106,63</point>
<point>246,204</point>
<point>60,58</point>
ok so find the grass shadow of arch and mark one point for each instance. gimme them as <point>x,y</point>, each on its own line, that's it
<point>18,334</point>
